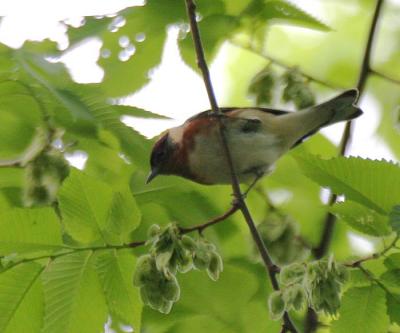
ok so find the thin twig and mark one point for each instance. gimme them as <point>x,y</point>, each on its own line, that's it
<point>216,220</point>
<point>375,255</point>
<point>15,163</point>
<point>329,224</point>
<point>282,64</point>
<point>384,76</point>
<point>70,250</point>
<point>272,269</point>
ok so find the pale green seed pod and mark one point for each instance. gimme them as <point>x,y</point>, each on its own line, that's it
<point>185,264</point>
<point>276,305</point>
<point>292,273</point>
<point>188,243</point>
<point>201,259</point>
<point>162,260</point>
<point>145,269</point>
<point>295,297</point>
<point>215,267</point>
<point>153,231</point>
<point>165,307</point>
<point>171,290</point>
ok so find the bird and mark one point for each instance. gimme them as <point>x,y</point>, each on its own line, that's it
<point>256,137</point>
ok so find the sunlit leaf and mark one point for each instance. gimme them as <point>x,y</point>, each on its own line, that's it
<point>362,310</point>
<point>74,301</point>
<point>21,298</point>
<point>375,184</point>
<point>29,230</point>
<point>115,270</point>
<point>362,218</point>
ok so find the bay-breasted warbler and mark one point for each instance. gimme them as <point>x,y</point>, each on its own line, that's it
<point>256,137</point>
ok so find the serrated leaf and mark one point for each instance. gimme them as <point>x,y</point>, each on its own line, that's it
<point>74,301</point>
<point>29,230</point>
<point>362,310</point>
<point>284,11</point>
<point>20,299</point>
<point>374,184</point>
<point>362,218</point>
<point>85,203</point>
<point>126,110</point>
<point>394,219</point>
<point>115,270</point>
<point>124,215</point>
<point>150,21</point>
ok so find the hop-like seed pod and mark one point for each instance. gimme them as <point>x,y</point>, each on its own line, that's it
<point>215,267</point>
<point>170,290</point>
<point>292,273</point>
<point>276,305</point>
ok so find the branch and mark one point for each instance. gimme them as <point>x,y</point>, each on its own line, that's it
<point>16,163</point>
<point>384,76</point>
<point>216,220</point>
<point>69,250</point>
<point>272,269</point>
<point>374,256</point>
<point>282,64</point>
<point>329,224</point>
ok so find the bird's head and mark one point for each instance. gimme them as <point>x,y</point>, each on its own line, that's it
<point>162,156</point>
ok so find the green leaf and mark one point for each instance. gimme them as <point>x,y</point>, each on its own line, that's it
<point>362,218</point>
<point>394,219</point>
<point>21,299</point>
<point>393,306</point>
<point>126,110</point>
<point>362,310</point>
<point>74,301</point>
<point>124,215</point>
<point>214,30</point>
<point>393,261</point>
<point>85,203</point>
<point>374,184</point>
<point>283,11</point>
<point>29,230</point>
<point>115,270</point>
<point>391,280</point>
<point>92,211</point>
<point>150,21</point>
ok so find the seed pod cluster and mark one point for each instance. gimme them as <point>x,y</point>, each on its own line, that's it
<point>43,177</point>
<point>262,86</point>
<point>324,284</point>
<point>316,284</point>
<point>170,253</point>
<point>297,89</point>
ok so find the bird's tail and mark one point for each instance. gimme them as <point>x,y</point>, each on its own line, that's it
<point>300,125</point>
<point>340,108</point>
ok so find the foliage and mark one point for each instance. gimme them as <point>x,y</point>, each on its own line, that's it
<point>82,248</point>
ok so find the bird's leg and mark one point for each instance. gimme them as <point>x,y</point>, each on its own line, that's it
<point>258,176</point>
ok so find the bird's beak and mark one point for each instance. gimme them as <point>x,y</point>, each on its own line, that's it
<point>153,173</point>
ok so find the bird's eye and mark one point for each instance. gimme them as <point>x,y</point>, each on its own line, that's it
<point>160,154</point>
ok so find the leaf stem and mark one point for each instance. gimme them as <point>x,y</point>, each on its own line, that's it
<point>272,269</point>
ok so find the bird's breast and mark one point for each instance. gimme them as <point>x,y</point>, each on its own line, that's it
<point>252,153</point>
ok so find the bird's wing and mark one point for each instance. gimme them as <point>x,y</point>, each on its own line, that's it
<point>224,110</point>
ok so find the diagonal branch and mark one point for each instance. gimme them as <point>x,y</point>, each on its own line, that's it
<point>272,269</point>
<point>330,219</point>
